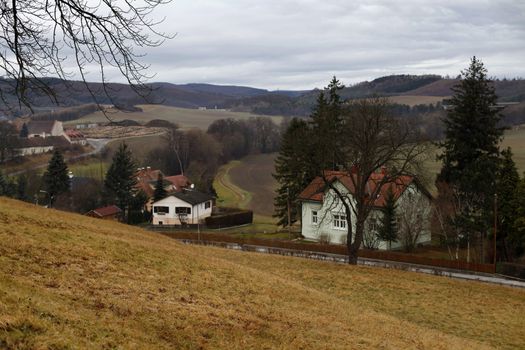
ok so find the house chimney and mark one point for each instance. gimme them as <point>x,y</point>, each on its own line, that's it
<point>383,170</point>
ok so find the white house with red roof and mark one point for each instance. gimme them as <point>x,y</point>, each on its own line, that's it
<point>323,215</point>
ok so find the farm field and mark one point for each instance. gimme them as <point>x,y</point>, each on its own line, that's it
<point>69,282</point>
<point>185,118</point>
<point>248,183</point>
<point>412,100</point>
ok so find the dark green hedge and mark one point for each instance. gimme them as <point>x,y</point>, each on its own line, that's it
<point>238,218</point>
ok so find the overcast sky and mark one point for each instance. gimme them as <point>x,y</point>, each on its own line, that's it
<point>300,44</point>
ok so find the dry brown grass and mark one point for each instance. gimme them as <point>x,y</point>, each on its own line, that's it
<point>68,281</point>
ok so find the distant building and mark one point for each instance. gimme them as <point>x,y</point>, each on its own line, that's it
<point>38,145</point>
<point>147,180</point>
<point>44,128</point>
<point>76,137</point>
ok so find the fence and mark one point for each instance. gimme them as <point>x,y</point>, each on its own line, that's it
<point>337,249</point>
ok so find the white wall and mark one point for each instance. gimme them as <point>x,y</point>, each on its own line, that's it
<point>198,212</point>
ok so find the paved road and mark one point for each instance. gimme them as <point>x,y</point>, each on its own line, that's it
<point>97,144</point>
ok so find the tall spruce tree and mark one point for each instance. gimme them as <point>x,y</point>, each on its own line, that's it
<point>326,121</point>
<point>119,185</point>
<point>516,238</point>
<point>388,227</point>
<point>507,203</point>
<point>160,191</point>
<point>293,170</point>
<point>21,188</point>
<point>471,150</point>
<point>24,132</point>
<point>56,177</point>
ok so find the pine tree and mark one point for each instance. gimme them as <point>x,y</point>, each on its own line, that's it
<point>119,185</point>
<point>471,149</point>
<point>326,121</point>
<point>56,178</point>
<point>160,192</point>
<point>388,228</point>
<point>21,188</point>
<point>507,201</point>
<point>24,132</point>
<point>516,237</point>
<point>293,170</point>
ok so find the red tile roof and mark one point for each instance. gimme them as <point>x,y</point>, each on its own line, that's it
<point>106,211</point>
<point>179,181</point>
<point>315,190</point>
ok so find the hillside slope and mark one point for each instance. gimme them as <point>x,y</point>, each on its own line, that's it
<point>68,281</point>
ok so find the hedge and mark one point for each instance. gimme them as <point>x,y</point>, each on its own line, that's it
<point>238,218</point>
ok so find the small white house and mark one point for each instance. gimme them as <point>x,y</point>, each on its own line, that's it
<point>183,208</point>
<point>323,216</point>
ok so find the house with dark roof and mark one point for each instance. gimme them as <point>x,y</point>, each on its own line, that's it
<point>111,212</point>
<point>37,145</point>
<point>44,128</point>
<point>187,207</point>
<point>323,216</point>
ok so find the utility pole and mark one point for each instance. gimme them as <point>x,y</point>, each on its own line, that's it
<point>495,227</point>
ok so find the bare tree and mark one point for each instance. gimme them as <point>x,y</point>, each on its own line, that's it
<point>412,214</point>
<point>368,139</point>
<point>40,38</point>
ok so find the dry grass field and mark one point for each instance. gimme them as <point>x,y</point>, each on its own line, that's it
<point>185,118</point>
<point>68,282</point>
<point>412,100</point>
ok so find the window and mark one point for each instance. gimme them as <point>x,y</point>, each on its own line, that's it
<point>161,210</point>
<point>207,205</point>
<point>315,217</point>
<point>182,210</point>
<point>372,225</point>
<point>339,221</point>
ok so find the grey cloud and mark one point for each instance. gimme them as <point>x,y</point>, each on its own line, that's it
<point>292,44</point>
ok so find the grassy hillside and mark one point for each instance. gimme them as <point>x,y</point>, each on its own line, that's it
<point>186,118</point>
<point>66,281</point>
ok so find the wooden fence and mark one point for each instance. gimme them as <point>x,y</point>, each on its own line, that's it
<point>337,249</point>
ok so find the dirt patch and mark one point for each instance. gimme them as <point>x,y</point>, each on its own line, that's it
<point>254,174</point>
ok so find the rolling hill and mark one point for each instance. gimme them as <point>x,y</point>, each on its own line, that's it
<point>69,282</point>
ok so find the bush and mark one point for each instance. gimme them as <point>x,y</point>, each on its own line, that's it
<point>510,269</point>
<point>242,217</point>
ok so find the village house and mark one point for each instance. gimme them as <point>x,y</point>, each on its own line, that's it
<point>147,180</point>
<point>188,207</point>
<point>44,128</point>
<point>43,136</point>
<point>323,215</point>
<point>111,212</point>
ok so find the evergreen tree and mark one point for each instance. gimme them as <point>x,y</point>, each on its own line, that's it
<point>21,188</point>
<point>507,201</point>
<point>471,149</point>
<point>326,121</point>
<point>388,228</point>
<point>4,185</point>
<point>24,132</point>
<point>516,238</point>
<point>56,179</point>
<point>119,185</point>
<point>160,192</point>
<point>293,170</point>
